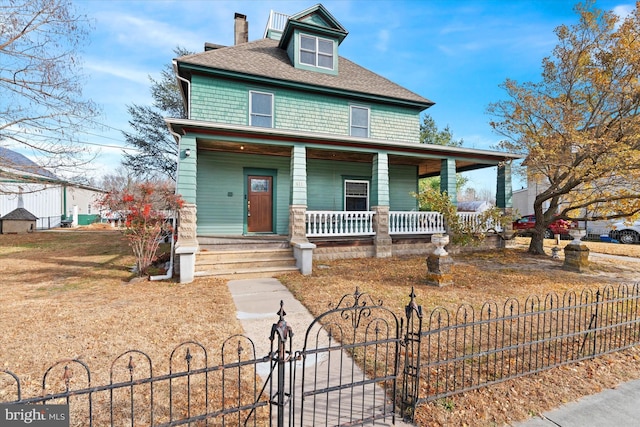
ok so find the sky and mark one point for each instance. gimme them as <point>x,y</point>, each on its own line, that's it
<point>455,53</point>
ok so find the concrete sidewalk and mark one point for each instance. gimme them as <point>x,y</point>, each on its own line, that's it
<point>258,303</point>
<point>619,407</point>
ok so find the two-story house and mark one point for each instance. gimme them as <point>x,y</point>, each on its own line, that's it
<point>287,140</point>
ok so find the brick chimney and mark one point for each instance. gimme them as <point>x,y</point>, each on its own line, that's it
<point>240,29</point>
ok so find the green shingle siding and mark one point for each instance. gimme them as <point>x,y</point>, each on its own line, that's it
<point>186,185</point>
<point>325,184</point>
<point>226,101</point>
<point>221,188</point>
<point>221,174</point>
<point>393,123</point>
<point>403,180</point>
<point>221,101</point>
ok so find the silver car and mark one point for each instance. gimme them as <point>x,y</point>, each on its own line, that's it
<point>625,232</point>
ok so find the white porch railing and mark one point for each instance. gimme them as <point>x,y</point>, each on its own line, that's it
<point>473,220</point>
<point>360,223</point>
<point>416,223</point>
<point>339,223</point>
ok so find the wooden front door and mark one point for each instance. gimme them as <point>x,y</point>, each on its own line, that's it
<point>259,204</point>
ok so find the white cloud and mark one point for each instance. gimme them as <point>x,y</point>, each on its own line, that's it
<point>142,34</point>
<point>623,10</point>
<point>383,40</point>
<point>117,70</point>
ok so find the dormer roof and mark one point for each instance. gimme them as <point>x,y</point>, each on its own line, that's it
<point>316,20</point>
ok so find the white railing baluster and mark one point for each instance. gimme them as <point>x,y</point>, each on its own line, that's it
<point>339,223</point>
<point>415,222</point>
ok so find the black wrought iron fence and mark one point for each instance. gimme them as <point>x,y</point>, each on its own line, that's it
<point>196,391</point>
<point>451,352</point>
<point>434,356</point>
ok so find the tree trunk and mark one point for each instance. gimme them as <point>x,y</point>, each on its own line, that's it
<point>536,246</point>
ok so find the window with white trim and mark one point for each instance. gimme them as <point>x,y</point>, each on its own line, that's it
<point>316,52</point>
<point>356,195</point>
<point>261,109</point>
<point>359,121</point>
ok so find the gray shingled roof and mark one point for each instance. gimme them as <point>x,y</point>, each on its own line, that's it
<point>13,160</point>
<point>20,214</point>
<point>263,58</point>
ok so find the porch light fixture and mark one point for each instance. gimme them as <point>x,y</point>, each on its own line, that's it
<point>242,147</point>
<point>187,152</point>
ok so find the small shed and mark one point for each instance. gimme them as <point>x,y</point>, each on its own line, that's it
<point>18,220</point>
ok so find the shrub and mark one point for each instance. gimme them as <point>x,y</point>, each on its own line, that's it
<point>146,209</point>
<point>462,232</point>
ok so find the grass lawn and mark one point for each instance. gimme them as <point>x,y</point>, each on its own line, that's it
<point>67,294</point>
<point>480,277</point>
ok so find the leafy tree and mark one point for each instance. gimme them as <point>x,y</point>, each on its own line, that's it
<point>579,126</point>
<point>41,81</point>
<point>157,149</point>
<point>430,134</point>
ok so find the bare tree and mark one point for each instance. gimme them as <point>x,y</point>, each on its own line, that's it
<point>41,105</point>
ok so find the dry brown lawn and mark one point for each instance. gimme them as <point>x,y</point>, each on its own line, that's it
<point>68,294</point>
<point>480,277</point>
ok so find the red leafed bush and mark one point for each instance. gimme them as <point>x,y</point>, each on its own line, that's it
<point>146,209</point>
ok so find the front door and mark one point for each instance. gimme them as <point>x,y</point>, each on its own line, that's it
<point>259,204</point>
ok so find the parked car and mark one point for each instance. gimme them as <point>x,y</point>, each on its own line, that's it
<point>525,225</point>
<point>625,232</point>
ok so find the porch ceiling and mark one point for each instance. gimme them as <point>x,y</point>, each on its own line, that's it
<point>426,166</point>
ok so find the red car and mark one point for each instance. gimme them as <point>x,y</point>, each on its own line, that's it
<point>524,225</point>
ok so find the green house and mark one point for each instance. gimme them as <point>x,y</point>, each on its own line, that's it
<point>289,142</point>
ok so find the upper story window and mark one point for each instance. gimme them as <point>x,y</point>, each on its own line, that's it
<point>261,109</point>
<point>356,195</point>
<point>359,121</point>
<point>316,51</point>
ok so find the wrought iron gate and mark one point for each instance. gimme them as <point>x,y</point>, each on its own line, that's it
<point>346,372</point>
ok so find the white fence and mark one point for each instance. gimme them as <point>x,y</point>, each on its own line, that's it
<point>339,223</point>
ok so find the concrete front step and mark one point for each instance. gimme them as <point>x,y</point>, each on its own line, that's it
<point>211,243</point>
<point>249,263</point>
<point>208,257</point>
<point>249,273</point>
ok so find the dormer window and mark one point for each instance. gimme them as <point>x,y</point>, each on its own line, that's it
<point>316,52</point>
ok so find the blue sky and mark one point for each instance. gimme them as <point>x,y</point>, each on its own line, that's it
<point>455,53</point>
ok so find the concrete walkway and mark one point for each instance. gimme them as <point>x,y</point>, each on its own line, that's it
<point>258,303</point>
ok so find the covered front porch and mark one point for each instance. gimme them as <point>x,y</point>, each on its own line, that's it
<point>320,189</point>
